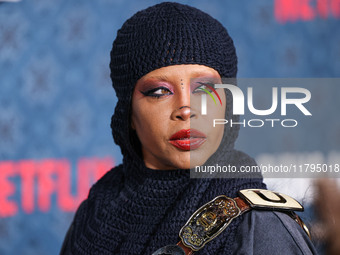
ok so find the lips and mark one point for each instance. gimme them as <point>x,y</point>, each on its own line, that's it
<point>188,139</point>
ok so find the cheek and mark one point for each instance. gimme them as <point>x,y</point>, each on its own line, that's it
<point>218,111</point>
<point>148,120</point>
<point>140,120</point>
<point>215,110</point>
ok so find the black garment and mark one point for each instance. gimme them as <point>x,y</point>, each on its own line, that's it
<point>271,232</point>
<point>136,210</point>
<point>141,209</point>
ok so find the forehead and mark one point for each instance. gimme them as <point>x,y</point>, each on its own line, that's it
<point>182,72</point>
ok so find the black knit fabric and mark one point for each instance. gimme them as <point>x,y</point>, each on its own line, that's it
<point>162,35</point>
<point>136,210</point>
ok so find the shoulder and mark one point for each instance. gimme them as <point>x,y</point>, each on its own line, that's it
<point>271,232</point>
<point>89,209</point>
<point>112,179</point>
<point>100,195</point>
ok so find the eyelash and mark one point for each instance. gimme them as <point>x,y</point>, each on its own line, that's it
<point>151,92</point>
<point>203,84</point>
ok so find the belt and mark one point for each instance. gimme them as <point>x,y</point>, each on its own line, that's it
<point>211,219</point>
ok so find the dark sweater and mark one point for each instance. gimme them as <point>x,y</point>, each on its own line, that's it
<point>136,210</point>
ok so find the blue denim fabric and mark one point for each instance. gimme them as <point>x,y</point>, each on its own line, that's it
<point>269,232</point>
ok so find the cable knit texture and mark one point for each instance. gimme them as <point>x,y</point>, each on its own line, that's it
<point>136,210</point>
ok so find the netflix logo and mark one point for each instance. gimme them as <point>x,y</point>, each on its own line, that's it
<point>305,10</point>
<point>29,185</point>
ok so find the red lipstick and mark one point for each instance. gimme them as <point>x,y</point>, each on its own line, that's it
<point>188,139</point>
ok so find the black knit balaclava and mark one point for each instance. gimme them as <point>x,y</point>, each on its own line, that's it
<point>133,209</point>
<point>163,35</point>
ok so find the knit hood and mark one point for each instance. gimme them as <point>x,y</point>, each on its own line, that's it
<point>136,210</point>
<point>163,35</point>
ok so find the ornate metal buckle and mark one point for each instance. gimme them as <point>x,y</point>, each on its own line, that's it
<point>261,198</point>
<point>208,222</point>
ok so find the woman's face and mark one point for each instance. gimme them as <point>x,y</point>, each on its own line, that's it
<point>166,114</point>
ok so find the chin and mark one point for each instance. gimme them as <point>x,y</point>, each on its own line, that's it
<point>197,159</point>
<point>183,164</point>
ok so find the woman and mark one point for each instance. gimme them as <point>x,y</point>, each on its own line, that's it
<point>162,59</point>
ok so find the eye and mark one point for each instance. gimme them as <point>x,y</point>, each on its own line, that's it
<point>207,88</point>
<point>204,87</point>
<point>157,92</point>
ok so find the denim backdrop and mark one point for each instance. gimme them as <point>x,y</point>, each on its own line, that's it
<point>56,98</point>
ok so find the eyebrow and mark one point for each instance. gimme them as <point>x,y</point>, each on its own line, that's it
<point>193,75</point>
<point>159,77</point>
<point>200,73</point>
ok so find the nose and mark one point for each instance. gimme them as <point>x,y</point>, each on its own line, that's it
<point>183,113</point>
<point>182,108</point>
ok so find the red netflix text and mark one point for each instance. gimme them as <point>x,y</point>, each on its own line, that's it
<point>305,10</point>
<point>42,179</point>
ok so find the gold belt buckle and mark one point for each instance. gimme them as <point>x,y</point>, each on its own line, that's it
<point>208,222</point>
